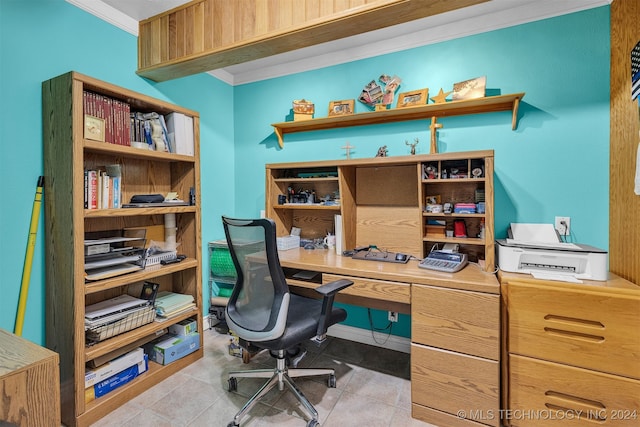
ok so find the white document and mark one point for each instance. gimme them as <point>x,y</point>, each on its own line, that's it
<point>114,305</point>
<point>338,227</point>
<point>543,235</point>
<point>534,232</point>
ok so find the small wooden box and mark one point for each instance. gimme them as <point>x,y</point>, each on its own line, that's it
<point>435,230</point>
<point>302,116</point>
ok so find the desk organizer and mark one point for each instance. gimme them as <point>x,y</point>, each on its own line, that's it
<point>132,321</point>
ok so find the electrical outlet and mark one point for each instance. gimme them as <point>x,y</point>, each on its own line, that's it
<point>393,316</point>
<point>563,225</point>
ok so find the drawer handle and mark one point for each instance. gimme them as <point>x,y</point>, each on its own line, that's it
<point>575,335</point>
<point>574,320</point>
<point>591,410</point>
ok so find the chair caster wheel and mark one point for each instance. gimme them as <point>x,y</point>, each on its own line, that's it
<point>313,423</point>
<point>331,382</point>
<point>233,386</point>
<point>232,424</point>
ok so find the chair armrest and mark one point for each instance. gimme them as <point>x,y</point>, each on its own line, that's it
<point>334,287</point>
<point>328,292</point>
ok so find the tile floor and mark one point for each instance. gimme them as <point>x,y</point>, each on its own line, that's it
<point>373,390</point>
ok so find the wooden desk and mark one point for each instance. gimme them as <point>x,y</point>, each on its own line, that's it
<point>29,383</point>
<point>455,327</point>
<point>571,348</point>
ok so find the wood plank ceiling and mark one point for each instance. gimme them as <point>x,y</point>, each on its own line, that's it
<point>205,35</point>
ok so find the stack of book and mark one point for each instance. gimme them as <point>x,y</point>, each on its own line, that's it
<point>170,304</point>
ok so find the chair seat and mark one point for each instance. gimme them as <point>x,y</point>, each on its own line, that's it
<point>302,322</point>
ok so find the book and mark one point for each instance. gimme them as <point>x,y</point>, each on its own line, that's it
<point>180,130</point>
<point>92,189</point>
<point>115,173</point>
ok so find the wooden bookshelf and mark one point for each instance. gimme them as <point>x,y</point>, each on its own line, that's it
<point>66,156</point>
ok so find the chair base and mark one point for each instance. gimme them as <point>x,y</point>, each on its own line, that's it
<point>279,376</point>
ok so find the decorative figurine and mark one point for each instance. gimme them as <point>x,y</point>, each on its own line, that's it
<point>413,146</point>
<point>382,151</point>
<point>348,147</point>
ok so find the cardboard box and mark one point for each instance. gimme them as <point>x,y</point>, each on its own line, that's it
<point>103,387</point>
<point>119,364</point>
<point>152,233</point>
<point>172,347</point>
<point>184,327</point>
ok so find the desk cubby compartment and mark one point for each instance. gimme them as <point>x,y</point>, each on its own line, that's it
<point>460,179</point>
<point>289,192</point>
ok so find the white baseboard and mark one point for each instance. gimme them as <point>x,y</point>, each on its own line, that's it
<point>206,322</point>
<point>360,335</point>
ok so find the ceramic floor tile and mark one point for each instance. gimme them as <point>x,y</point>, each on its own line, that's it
<point>353,410</point>
<point>375,386</point>
<point>373,389</point>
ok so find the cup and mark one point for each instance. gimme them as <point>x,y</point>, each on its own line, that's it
<point>330,241</point>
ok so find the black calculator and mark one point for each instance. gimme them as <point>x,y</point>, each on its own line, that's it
<point>448,262</point>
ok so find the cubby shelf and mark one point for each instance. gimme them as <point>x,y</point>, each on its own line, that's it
<point>487,104</point>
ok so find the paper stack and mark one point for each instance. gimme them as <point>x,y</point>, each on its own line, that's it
<point>111,310</point>
<point>169,304</point>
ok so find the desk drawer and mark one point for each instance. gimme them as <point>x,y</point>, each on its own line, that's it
<point>463,321</point>
<point>453,382</point>
<point>373,288</point>
<point>590,329</point>
<point>549,394</point>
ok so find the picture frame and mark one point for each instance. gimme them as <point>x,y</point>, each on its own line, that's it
<point>341,108</point>
<point>413,98</point>
<point>469,89</point>
<point>94,128</point>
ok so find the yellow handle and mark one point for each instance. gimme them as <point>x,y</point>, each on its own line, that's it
<point>28,261</point>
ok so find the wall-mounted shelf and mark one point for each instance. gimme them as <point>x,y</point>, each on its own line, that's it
<point>488,104</point>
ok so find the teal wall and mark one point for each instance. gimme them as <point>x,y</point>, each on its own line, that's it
<point>41,39</point>
<point>555,163</point>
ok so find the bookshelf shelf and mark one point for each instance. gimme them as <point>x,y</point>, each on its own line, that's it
<point>125,212</point>
<point>67,155</point>
<point>105,147</point>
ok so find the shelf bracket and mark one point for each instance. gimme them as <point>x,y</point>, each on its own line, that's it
<point>434,135</point>
<point>278,132</point>
<point>514,117</point>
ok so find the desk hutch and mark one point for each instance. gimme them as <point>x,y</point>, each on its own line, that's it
<point>455,318</point>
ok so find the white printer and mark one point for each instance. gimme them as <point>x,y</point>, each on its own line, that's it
<point>533,250</point>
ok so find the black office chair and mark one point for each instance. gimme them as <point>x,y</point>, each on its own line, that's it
<point>265,315</point>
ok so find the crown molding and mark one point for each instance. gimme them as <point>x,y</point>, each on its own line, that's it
<point>484,17</point>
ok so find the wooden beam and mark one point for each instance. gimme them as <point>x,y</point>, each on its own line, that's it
<point>204,35</point>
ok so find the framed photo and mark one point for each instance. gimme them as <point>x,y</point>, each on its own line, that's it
<point>93,128</point>
<point>411,99</point>
<point>341,108</point>
<point>469,89</point>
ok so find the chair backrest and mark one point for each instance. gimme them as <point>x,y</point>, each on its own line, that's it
<point>258,306</point>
